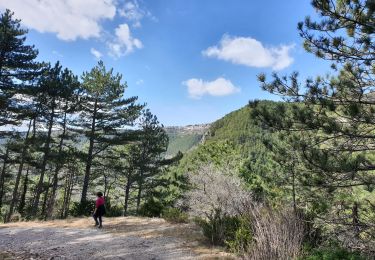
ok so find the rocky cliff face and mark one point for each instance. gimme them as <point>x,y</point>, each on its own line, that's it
<point>184,138</point>
<point>189,129</point>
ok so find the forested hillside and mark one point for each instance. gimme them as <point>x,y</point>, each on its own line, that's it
<point>261,161</point>
<point>301,170</point>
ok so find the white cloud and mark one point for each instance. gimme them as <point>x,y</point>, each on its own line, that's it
<point>139,82</point>
<point>96,53</point>
<point>69,19</point>
<point>123,43</point>
<point>219,87</point>
<point>54,52</point>
<point>133,13</point>
<point>250,52</point>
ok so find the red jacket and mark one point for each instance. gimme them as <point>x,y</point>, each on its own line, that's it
<point>99,202</point>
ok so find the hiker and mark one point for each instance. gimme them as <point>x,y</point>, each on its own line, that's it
<point>99,210</point>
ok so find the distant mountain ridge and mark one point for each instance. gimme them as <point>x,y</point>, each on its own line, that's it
<point>181,138</point>
<point>185,138</point>
<point>197,128</point>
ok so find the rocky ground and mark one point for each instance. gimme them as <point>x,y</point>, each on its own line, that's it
<point>121,238</point>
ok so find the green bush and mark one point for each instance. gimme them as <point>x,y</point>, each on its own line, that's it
<point>151,208</point>
<point>112,210</point>
<point>219,228</point>
<point>175,215</point>
<point>82,209</point>
<point>331,254</point>
<point>3,213</point>
<point>242,237</point>
<point>232,232</point>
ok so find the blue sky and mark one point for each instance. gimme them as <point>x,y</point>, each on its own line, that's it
<point>191,61</point>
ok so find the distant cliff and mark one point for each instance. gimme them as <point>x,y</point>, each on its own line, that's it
<point>184,138</point>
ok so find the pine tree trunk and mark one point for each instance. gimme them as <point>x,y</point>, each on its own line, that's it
<point>127,192</point>
<point>39,188</point>
<point>44,205</point>
<point>141,181</point>
<point>2,176</point>
<point>71,185</point>
<point>66,188</point>
<point>89,156</point>
<point>105,185</point>
<point>51,201</point>
<point>294,191</point>
<point>67,194</point>
<point>106,194</point>
<point>26,182</point>
<point>139,194</point>
<point>19,173</point>
<point>24,191</point>
<point>355,219</point>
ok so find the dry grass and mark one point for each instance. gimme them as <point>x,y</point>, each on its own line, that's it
<point>277,235</point>
<point>68,223</point>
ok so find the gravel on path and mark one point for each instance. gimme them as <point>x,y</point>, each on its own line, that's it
<point>121,238</point>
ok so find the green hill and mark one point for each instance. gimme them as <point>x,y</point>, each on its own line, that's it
<point>238,141</point>
<point>239,128</point>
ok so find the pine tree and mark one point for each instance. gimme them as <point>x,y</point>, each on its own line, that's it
<point>18,72</point>
<point>152,146</point>
<point>104,113</point>
<point>67,105</point>
<point>331,119</point>
<point>18,68</point>
<point>51,92</point>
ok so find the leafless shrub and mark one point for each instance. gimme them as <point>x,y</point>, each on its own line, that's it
<point>215,190</point>
<point>277,235</point>
<point>15,217</point>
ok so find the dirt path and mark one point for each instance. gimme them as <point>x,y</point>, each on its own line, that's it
<point>121,238</point>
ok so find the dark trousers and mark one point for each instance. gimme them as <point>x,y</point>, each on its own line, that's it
<point>96,218</point>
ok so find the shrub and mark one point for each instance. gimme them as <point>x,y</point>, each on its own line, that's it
<point>331,254</point>
<point>277,234</point>
<point>219,228</point>
<point>3,213</point>
<point>175,215</point>
<point>217,200</point>
<point>242,239</point>
<point>151,208</point>
<point>215,190</point>
<point>82,209</point>
<point>15,217</point>
<point>112,210</point>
